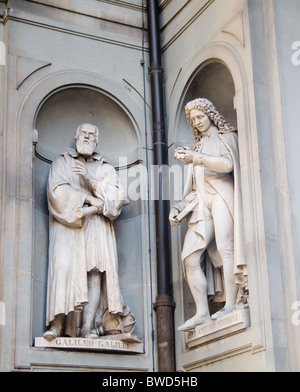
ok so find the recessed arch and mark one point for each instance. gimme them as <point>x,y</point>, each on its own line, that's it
<point>37,105</point>
<point>242,106</point>
<point>227,58</point>
<point>42,90</point>
<point>211,80</point>
<point>64,109</point>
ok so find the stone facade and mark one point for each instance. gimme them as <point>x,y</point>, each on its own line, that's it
<point>63,63</point>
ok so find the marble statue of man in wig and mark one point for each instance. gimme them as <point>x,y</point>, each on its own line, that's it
<point>213,252</point>
<point>84,198</point>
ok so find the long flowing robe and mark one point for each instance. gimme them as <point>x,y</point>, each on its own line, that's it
<point>79,245</point>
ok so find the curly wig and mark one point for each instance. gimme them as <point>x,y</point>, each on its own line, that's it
<point>208,108</point>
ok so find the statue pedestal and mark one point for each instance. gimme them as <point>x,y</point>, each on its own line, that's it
<point>222,327</point>
<point>126,343</point>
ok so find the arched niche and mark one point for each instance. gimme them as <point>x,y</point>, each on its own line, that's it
<point>62,112</point>
<point>211,80</point>
<point>56,120</point>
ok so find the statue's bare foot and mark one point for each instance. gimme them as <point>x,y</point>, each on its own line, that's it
<point>193,322</point>
<point>51,334</point>
<point>88,335</point>
<point>223,312</point>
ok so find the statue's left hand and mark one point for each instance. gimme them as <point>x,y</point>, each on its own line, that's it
<point>172,217</point>
<point>94,202</point>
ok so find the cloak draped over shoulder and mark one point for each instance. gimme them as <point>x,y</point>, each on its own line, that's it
<point>79,245</point>
<point>196,220</point>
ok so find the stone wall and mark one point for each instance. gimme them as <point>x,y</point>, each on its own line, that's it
<point>68,63</point>
<point>238,54</point>
<point>65,62</point>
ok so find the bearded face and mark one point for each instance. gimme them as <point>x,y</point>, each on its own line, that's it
<point>85,148</point>
<point>86,141</point>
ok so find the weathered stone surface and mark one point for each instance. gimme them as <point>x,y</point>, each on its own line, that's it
<point>223,326</point>
<point>120,343</point>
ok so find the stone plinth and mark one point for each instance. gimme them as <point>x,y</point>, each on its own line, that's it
<point>222,327</point>
<point>126,343</point>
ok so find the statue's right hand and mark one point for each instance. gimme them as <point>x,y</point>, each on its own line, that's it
<point>95,202</point>
<point>172,217</point>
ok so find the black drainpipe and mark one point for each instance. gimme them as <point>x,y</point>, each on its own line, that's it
<point>164,305</point>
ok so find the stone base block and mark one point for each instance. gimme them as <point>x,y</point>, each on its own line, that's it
<point>126,343</point>
<point>220,328</point>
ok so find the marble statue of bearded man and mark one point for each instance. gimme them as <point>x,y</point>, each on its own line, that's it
<point>84,198</point>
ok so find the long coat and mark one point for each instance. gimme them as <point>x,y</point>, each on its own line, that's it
<point>196,221</point>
